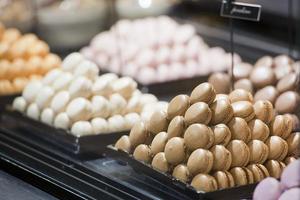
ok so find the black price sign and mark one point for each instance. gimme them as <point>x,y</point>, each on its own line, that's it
<point>240,10</point>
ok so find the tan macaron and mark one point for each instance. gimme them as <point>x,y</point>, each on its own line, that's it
<point>158,143</point>
<point>275,168</point>
<point>282,126</point>
<point>242,176</point>
<point>259,172</point>
<point>142,153</point>
<point>240,95</point>
<point>278,148</point>
<point>181,172</point>
<point>175,150</point>
<point>124,144</point>
<point>243,109</point>
<point>205,183</point>
<point>160,162</point>
<point>224,179</point>
<point>289,160</point>
<point>293,142</point>
<point>264,110</point>
<point>222,158</point>
<point>240,153</point>
<point>198,136</point>
<point>200,161</point>
<point>224,97</point>
<point>138,134</point>
<point>198,113</point>
<point>158,122</point>
<point>204,92</point>
<point>259,152</point>
<point>178,105</point>
<point>239,129</point>
<point>176,127</point>
<point>222,134</point>
<point>222,112</point>
<point>259,130</point>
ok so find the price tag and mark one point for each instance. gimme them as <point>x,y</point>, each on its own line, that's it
<point>240,10</point>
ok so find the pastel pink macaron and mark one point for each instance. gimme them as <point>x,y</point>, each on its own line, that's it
<point>290,177</point>
<point>291,194</point>
<point>268,189</point>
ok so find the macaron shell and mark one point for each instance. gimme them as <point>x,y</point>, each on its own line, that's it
<point>176,127</point>
<point>240,95</point>
<point>222,158</point>
<point>160,163</point>
<point>268,93</point>
<point>158,122</point>
<point>243,109</point>
<point>275,168</point>
<point>240,153</point>
<point>158,143</point>
<point>204,92</point>
<point>239,129</point>
<point>181,173</point>
<point>224,179</point>
<point>289,160</point>
<point>138,134</point>
<point>259,172</point>
<point>175,150</point>
<point>259,130</point>
<point>259,152</point>
<point>244,84</point>
<point>198,113</point>
<point>281,126</point>
<point>204,182</point>
<point>268,188</point>
<point>222,134</point>
<point>221,82</point>
<point>198,136</point>
<point>200,161</point>
<point>222,112</point>
<point>124,144</point>
<point>293,142</point>
<point>288,102</point>
<point>242,176</point>
<point>178,106</point>
<point>278,148</point>
<point>142,153</point>
<point>263,110</point>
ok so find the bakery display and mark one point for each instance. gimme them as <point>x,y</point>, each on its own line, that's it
<point>22,58</point>
<point>214,142</point>
<point>75,98</point>
<point>171,51</point>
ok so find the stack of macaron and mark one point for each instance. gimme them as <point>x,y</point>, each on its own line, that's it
<point>155,50</point>
<point>74,97</point>
<point>288,188</point>
<point>22,58</point>
<point>274,79</point>
<point>214,141</point>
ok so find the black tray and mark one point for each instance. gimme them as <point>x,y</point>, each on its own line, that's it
<point>6,100</point>
<point>241,192</point>
<point>86,147</point>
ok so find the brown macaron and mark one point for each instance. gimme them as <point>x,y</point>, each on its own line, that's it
<point>293,142</point>
<point>239,129</point>
<point>222,134</point>
<point>259,152</point>
<point>142,153</point>
<point>243,109</point>
<point>198,113</point>
<point>204,92</point>
<point>262,76</point>
<point>275,168</point>
<point>289,160</point>
<point>259,172</point>
<point>158,122</point>
<point>205,183</point>
<point>282,126</point>
<point>221,82</point>
<point>176,127</point>
<point>288,82</point>
<point>160,162</point>
<point>222,97</point>
<point>242,70</point>
<point>288,102</point>
<point>295,121</point>
<point>244,84</point>
<point>175,150</point>
<point>181,172</point>
<point>259,130</point>
<point>282,60</point>
<point>158,143</point>
<point>200,161</point>
<point>198,136</point>
<point>268,93</point>
<point>282,70</point>
<point>138,134</point>
<point>240,95</point>
<point>178,105</point>
<point>264,110</point>
<point>242,176</point>
<point>124,144</point>
<point>222,158</point>
<point>278,148</point>
<point>224,179</point>
<point>222,112</point>
<point>240,153</point>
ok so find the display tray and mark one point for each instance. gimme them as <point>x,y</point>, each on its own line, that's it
<point>85,147</point>
<point>241,192</point>
<point>6,100</point>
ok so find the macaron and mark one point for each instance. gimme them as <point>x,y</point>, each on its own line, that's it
<point>72,61</point>
<point>138,134</point>
<point>31,90</point>
<point>275,168</point>
<point>259,130</point>
<point>264,110</point>
<point>47,116</point>
<point>88,69</point>
<point>158,143</point>
<point>282,70</point>
<point>33,111</point>
<point>244,84</point>
<point>160,163</point>
<point>242,176</point>
<point>278,148</point>
<point>222,134</point>
<point>269,188</point>
<point>289,160</point>
<point>239,129</point>
<point>224,179</point>
<point>101,107</point>
<point>281,126</point>
<point>259,152</point>
<point>295,121</point>
<point>80,87</point>
<point>100,125</point>
<point>181,172</point>
<point>242,70</point>
<point>204,92</point>
<point>79,109</point>
<point>175,150</point>
<point>19,104</point>
<point>240,95</point>
<point>204,183</point>
<point>81,128</point>
<point>221,82</point>
<point>293,142</point>
<point>51,76</point>
<point>117,104</point>
<point>177,106</point>
<point>198,113</point>
<point>198,136</point>
<point>240,153</point>
<point>222,97</point>
<point>60,101</point>
<point>222,158</point>
<point>222,112</point>
<point>200,161</point>
<point>124,86</point>
<point>291,194</point>
<point>288,82</point>
<point>62,82</point>
<point>142,153</point>
<point>288,102</point>
<point>290,176</point>
<point>62,121</point>
<point>259,172</point>
<point>158,122</point>
<point>176,127</point>
<point>262,76</point>
<point>124,144</point>
<point>243,109</point>
<point>44,97</point>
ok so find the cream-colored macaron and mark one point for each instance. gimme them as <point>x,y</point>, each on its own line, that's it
<point>47,116</point>
<point>80,87</point>
<point>131,119</point>
<point>125,86</point>
<point>33,111</point>
<point>62,121</point>
<point>31,90</point>
<point>88,69</point>
<point>82,128</point>
<point>101,107</point>
<point>19,104</point>
<point>99,125</point>
<point>44,97</point>
<point>116,123</point>
<point>60,101</point>
<point>72,61</point>
<point>118,103</point>
<point>51,76</point>
<point>62,82</point>
<point>79,109</point>
<point>102,84</point>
